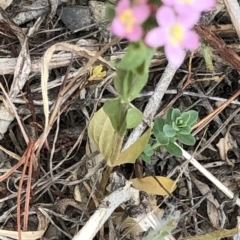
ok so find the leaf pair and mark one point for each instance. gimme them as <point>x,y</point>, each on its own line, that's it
<point>109,142</point>
<point>132,71</point>
<point>122,116</point>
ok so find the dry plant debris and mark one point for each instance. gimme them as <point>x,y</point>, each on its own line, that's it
<point>54,79</point>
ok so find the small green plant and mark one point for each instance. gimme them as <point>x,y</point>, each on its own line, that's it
<point>176,126</point>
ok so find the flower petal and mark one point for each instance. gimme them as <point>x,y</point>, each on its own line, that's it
<point>122,5</point>
<point>165,16</point>
<point>191,41</point>
<point>136,33</point>
<point>141,13</point>
<point>118,28</point>
<point>175,55</point>
<point>183,8</point>
<point>156,37</point>
<point>188,20</point>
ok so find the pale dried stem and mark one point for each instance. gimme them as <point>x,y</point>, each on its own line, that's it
<point>233,9</point>
<point>106,208</point>
<point>209,176</point>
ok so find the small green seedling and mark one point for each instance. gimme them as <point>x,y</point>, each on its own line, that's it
<point>176,126</point>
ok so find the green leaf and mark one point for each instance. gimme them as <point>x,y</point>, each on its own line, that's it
<point>193,117</point>
<point>185,117</point>
<point>158,126</point>
<point>135,85</point>
<point>173,149</point>
<point>145,158</point>
<point>113,108</point>
<point>148,151</point>
<point>180,122</point>
<point>168,119</point>
<point>110,12</point>
<point>129,84</point>
<point>174,125</point>
<point>121,77</point>
<point>169,131</point>
<point>185,130</point>
<point>134,57</point>
<point>207,55</point>
<point>144,68</point>
<point>187,139</point>
<point>175,114</point>
<point>162,138</point>
<point>158,131</point>
<point>133,117</point>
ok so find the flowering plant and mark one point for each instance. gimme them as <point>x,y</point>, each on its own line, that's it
<point>128,20</point>
<point>172,29</point>
<point>148,25</point>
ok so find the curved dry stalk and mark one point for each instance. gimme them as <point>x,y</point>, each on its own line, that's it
<point>44,78</point>
<point>27,157</point>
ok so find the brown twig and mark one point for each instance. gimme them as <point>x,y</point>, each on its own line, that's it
<point>226,53</point>
<point>210,116</point>
<point>26,156</point>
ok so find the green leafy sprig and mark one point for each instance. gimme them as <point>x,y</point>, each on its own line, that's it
<point>176,126</point>
<point>131,76</point>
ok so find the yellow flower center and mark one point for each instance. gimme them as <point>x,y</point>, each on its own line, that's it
<point>176,34</point>
<point>128,20</point>
<point>186,1</point>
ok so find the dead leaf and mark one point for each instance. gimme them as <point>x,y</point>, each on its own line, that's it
<point>128,225</point>
<point>212,204</point>
<point>5,3</point>
<point>29,235</point>
<point>62,205</point>
<point>224,145</point>
<point>22,71</point>
<point>215,235</point>
<point>97,73</point>
<point>151,186</point>
<point>130,154</point>
<point>54,5</point>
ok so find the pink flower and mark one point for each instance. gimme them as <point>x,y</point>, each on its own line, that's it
<point>184,7</point>
<point>128,19</point>
<point>174,33</point>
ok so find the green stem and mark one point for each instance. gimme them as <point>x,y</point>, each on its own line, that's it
<point>156,145</point>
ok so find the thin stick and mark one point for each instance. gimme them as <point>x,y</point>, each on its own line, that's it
<point>209,176</point>
<point>106,208</point>
<point>153,104</point>
<point>28,189</point>
<point>199,125</point>
<point>16,115</point>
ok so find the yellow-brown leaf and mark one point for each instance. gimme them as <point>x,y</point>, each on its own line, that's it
<point>151,186</point>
